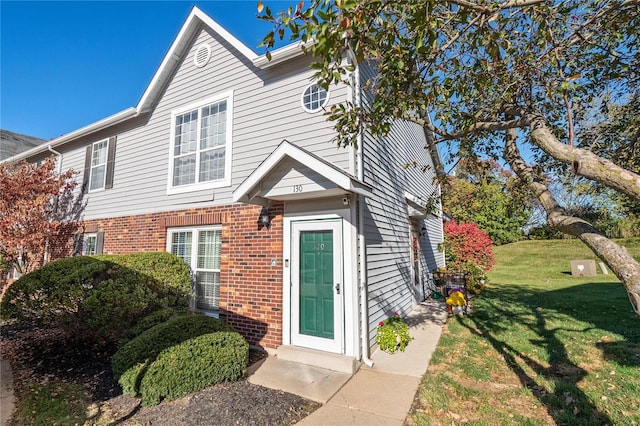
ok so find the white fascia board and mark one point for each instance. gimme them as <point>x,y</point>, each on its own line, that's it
<point>281,54</point>
<point>286,149</point>
<point>413,198</point>
<point>91,128</point>
<point>177,50</point>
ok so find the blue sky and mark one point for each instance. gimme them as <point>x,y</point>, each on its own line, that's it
<point>64,65</point>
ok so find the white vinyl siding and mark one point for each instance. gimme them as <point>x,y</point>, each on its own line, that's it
<point>387,222</point>
<point>201,141</point>
<point>266,109</point>
<point>98,170</point>
<point>200,248</point>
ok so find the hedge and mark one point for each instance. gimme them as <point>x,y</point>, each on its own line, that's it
<point>151,320</point>
<point>130,361</point>
<point>105,294</point>
<point>194,365</point>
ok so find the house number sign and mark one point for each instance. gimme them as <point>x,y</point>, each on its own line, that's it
<point>297,188</point>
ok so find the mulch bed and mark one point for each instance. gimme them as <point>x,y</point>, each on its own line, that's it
<point>39,355</point>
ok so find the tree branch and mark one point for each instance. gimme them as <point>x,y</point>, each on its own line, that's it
<point>481,126</point>
<point>510,4</point>
<point>584,163</point>
<point>626,268</point>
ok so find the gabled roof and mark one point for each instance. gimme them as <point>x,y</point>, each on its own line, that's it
<point>176,53</point>
<point>250,190</point>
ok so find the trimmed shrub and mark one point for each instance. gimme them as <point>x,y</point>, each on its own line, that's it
<point>143,350</point>
<point>152,320</point>
<point>54,293</point>
<point>167,273</point>
<point>194,365</point>
<point>104,294</point>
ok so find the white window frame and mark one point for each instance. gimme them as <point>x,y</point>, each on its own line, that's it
<point>91,166</point>
<point>226,181</point>
<point>321,107</point>
<point>193,266</point>
<point>85,238</point>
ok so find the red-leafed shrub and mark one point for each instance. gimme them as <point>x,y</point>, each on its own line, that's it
<point>466,242</point>
<point>470,250</point>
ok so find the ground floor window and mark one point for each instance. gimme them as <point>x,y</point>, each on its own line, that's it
<point>88,244</point>
<point>200,249</point>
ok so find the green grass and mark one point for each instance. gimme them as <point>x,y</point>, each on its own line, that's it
<point>541,346</point>
<point>54,403</point>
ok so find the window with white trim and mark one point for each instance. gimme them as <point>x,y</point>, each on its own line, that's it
<point>200,248</point>
<point>98,170</point>
<point>314,98</point>
<point>89,244</point>
<point>201,145</point>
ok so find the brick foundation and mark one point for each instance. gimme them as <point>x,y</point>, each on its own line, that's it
<point>251,288</point>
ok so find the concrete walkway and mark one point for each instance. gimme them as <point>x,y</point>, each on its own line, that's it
<point>378,395</point>
<point>7,398</point>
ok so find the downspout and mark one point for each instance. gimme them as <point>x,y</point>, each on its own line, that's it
<point>362,279</point>
<point>59,157</point>
<point>59,169</point>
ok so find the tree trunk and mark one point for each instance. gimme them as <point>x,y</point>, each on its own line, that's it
<point>623,265</point>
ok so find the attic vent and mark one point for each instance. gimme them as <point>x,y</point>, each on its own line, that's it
<point>202,55</point>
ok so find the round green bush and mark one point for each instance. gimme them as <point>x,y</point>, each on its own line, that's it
<point>143,350</point>
<point>104,294</point>
<point>194,365</point>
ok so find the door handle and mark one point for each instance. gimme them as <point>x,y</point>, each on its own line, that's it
<point>338,288</point>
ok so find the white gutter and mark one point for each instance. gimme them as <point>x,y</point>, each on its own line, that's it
<point>362,279</point>
<point>91,128</point>
<point>282,54</point>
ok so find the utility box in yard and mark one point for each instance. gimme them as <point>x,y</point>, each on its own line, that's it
<point>583,268</point>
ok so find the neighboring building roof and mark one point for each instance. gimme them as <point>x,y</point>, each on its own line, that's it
<point>12,143</point>
<point>177,51</point>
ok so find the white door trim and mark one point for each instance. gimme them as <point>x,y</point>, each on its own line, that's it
<point>297,337</point>
<point>289,331</point>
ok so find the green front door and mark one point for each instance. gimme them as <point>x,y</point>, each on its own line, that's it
<point>316,278</point>
<point>316,284</point>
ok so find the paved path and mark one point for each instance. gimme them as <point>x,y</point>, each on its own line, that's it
<point>7,398</point>
<point>378,395</point>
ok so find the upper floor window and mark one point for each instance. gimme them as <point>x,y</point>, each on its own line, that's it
<point>201,145</point>
<point>314,98</point>
<point>98,171</point>
<point>98,165</point>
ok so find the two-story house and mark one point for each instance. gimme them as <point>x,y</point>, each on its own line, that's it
<point>227,161</point>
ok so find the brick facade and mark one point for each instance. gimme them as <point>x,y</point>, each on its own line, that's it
<point>251,260</point>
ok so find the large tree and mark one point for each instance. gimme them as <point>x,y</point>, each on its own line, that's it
<point>497,76</point>
<point>38,213</point>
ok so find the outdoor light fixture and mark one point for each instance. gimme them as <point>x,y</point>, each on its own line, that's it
<point>264,220</point>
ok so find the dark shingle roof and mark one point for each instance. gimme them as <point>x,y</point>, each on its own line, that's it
<point>14,143</point>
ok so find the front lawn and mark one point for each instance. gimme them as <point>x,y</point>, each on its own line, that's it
<point>541,347</point>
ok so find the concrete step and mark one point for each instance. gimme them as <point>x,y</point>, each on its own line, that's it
<point>314,383</point>
<point>330,361</point>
